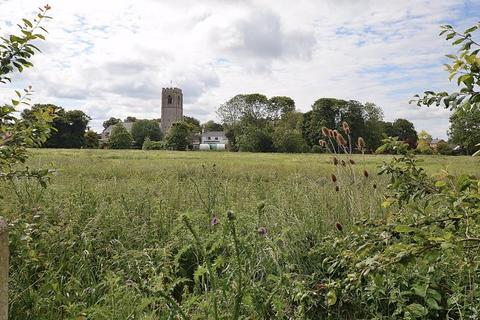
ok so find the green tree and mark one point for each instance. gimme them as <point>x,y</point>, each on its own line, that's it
<point>212,126</point>
<point>130,119</point>
<point>142,129</point>
<point>254,139</point>
<point>279,106</point>
<point>465,127</point>
<point>120,138</point>
<point>69,126</point>
<point>110,122</point>
<point>287,136</point>
<point>331,113</point>
<point>178,136</point>
<point>404,130</point>
<point>374,126</point>
<point>16,135</point>
<point>91,139</point>
<point>444,148</point>
<point>194,124</point>
<point>423,143</point>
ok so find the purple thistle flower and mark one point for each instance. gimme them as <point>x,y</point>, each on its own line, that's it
<point>262,231</point>
<point>214,221</point>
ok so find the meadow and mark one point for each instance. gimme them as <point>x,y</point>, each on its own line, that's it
<point>136,235</point>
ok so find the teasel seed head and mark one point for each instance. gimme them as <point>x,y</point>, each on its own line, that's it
<point>322,143</point>
<point>341,141</point>
<point>346,127</point>
<point>334,178</point>
<point>337,188</point>
<point>344,163</point>
<point>361,143</point>
<point>325,131</point>
<point>374,186</point>
<point>365,173</point>
<point>335,161</point>
<point>351,161</point>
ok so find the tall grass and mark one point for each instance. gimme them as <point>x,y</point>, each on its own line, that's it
<point>106,240</point>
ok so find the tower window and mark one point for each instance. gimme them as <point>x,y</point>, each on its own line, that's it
<point>169,99</point>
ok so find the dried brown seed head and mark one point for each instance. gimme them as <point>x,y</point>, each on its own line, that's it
<point>346,127</point>
<point>334,178</point>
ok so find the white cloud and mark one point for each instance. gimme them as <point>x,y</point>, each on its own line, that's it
<point>111,58</point>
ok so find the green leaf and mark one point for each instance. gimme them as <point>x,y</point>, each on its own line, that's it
<point>432,304</point>
<point>440,184</point>
<point>403,229</point>
<point>28,23</point>
<point>331,298</point>
<point>458,41</point>
<point>420,289</point>
<point>417,310</point>
<point>470,30</point>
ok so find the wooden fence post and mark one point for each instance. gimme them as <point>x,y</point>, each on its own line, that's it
<point>4,255</point>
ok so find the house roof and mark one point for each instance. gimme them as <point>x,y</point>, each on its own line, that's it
<point>214,134</point>
<point>126,125</point>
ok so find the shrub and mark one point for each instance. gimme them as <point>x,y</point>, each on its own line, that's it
<point>444,148</point>
<point>142,129</point>
<point>154,145</point>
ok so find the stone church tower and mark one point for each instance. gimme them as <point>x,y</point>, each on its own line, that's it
<point>172,107</point>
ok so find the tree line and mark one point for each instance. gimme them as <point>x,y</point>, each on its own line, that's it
<point>256,123</point>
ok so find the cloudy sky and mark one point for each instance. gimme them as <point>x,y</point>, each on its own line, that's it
<point>112,57</point>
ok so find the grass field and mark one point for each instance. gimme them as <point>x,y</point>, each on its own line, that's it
<point>105,240</point>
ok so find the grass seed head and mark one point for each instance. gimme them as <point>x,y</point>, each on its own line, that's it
<point>337,188</point>
<point>351,161</point>
<point>338,226</point>
<point>344,163</point>
<point>335,161</point>
<point>365,173</point>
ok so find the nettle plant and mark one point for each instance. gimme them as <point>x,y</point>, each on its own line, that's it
<point>16,134</point>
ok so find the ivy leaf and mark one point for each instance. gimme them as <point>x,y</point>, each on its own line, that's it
<point>420,289</point>
<point>417,310</point>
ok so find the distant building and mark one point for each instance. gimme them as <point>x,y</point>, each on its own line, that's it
<point>172,108</point>
<point>214,137</point>
<point>105,136</point>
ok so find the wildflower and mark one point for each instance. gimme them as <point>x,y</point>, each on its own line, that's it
<point>334,178</point>
<point>262,231</point>
<point>335,161</point>
<point>338,226</point>
<point>214,221</point>
<point>365,173</point>
<point>361,143</point>
<point>346,127</point>
<point>337,188</point>
<point>351,161</point>
<point>325,132</point>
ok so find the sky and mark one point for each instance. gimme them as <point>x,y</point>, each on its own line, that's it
<point>111,58</point>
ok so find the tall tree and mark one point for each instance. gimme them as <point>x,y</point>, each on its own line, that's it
<point>179,135</point>
<point>194,124</point>
<point>279,106</point>
<point>91,139</point>
<point>404,130</point>
<point>142,129</point>
<point>212,126</point>
<point>69,126</point>
<point>465,127</point>
<point>110,122</point>
<point>120,138</point>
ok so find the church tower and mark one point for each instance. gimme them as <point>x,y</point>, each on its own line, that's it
<point>172,108</point>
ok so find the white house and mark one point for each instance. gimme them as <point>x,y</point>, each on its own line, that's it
<point>214,137</point>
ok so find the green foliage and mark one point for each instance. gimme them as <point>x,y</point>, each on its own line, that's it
<point>212,126</point>
<point>254,139</point>
<point>110,122</point>
<point>465,127</point>
<point>120,138</point>
<point>287,136</point>
<point>444,148</point>
<point>16,135</point>
<point>142,129</point>
<point>16,51</point>
<point>280,106</point>
<point>91,139</point>
<point>423,147</point>
<point>178,137</point>
<point>404,130</point>
<point>194,124</point>
<point>154,145</point>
